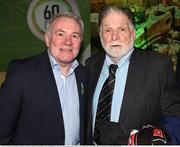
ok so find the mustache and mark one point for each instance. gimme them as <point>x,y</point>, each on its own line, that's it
<point>66,48</point>
<point>116,44</point>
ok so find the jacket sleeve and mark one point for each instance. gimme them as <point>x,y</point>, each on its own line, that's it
<point>170,96</point>
<point>10,102</point>
<point>172,127</point>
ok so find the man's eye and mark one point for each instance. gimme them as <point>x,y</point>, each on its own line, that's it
<point>123,29</point>
<point>75,36</point>
<point>107,30</point>
<point>60,34</point>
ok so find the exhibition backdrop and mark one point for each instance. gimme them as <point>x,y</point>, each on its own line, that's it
<point>23,22</point>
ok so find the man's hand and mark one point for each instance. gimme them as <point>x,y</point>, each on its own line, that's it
<point>111,133</point>
<point>148,135</point>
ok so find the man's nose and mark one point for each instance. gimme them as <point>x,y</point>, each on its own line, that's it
<point>68,40</point>
<point>115,35</point>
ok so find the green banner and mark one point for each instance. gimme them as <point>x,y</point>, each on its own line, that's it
<point>22,22</point>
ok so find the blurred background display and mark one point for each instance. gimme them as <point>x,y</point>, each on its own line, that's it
<point>157,25</point>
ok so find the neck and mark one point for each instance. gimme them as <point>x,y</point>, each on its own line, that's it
<point>115,60</point>
<point>65,68</point>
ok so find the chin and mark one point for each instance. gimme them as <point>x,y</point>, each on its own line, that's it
<point>115,54</point>
<point>68,61</point>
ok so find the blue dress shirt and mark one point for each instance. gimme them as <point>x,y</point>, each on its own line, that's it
<point>69,101</point>
<point>121,75</point>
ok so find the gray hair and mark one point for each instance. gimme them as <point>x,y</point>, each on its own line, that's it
<point>67,15</point>
<point>109,8</point>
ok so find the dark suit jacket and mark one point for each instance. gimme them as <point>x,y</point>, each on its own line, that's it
<point>30,111</point>
<point>149,92</point>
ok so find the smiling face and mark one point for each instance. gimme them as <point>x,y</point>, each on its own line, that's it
<point>117,35</point>
<point>64,39</point>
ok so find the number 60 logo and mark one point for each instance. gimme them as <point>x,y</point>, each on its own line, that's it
<point>40,11</point>
<point>49,11</point>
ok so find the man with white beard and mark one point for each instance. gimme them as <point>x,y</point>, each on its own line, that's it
<point>143,90</point>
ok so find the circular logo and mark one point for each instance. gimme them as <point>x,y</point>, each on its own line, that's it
<point>40,11</point>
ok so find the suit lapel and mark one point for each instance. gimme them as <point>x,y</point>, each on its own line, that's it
<point>95,73</point>
<point>49,85</point>
<point>95,66</point>
<point>81,85</point>
<point>80,82</point>
<point>133,78</point>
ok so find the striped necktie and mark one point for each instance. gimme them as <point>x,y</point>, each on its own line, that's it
<point>105,100</point>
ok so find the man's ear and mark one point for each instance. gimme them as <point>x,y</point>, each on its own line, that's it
<point>100,34</point>
<point>46,39</point>
<point>134,34</point>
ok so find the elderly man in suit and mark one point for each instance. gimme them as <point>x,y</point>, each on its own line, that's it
<point>42,100</point>
<point>144,86</point>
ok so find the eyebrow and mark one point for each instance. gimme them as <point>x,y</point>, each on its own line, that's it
<point>76,33</point>
<point>60,30</point>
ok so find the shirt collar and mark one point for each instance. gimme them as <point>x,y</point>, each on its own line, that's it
<point>56,66</point>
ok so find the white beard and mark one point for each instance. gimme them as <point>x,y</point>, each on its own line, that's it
<point>116,53</point>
